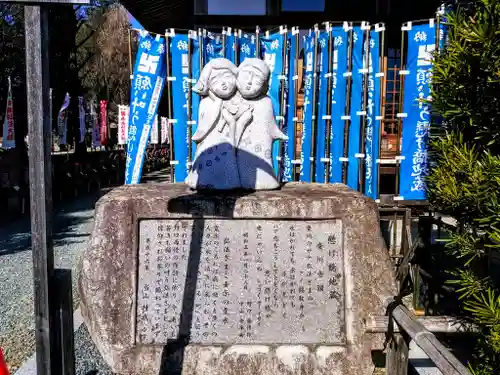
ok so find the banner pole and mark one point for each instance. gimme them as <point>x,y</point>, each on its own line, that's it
<point>282,100</point>
<point>348,105</point>
<point>190,100</point>
<point>314,121</point>
<point>362,135</point>
<point>328,123</point>
<point>257,42</point>
<point>236,47</point>
<point>169,107</point>
<point>438,32</point>
<point>296,99</point>
<point>383,66</point>
<point>130,53</point>
<point>224,31</point>
<point>200,48</point>
<point>400,110</point>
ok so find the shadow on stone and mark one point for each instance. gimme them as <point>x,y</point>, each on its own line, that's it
<point>174,351</point>
<point>222,167</point>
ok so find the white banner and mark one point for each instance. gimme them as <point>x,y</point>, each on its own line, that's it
<point>123,116</point>
<point>164,131</point>
<point>9,139</point>
<point>62,120</point>
<point>154,131</point>
<point>81,114</point>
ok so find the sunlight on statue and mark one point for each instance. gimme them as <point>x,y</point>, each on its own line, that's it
<point>236,128</point>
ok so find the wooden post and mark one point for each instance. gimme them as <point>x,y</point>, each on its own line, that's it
<point>396,362</point>
<point>40,134</point>
<point>64,319</point>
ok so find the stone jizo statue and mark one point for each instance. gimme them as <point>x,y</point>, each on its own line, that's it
<point>236,128</point>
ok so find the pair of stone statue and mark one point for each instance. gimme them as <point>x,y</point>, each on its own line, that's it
<point>236,128</point>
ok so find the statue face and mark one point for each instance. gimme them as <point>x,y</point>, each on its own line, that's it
<point>251,83</point>
<point>223,84</point>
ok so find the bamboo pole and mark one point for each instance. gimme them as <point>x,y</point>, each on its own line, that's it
<point>190,99</point>
<point>383,68</point>
<point>296,91</point>
<point>314,120</point>
<point>362,133</point>
<point>169,107</point>
<point>348,105</point>
<point>329,102</point>
<point>257,42</point>
<point>283,31</point>
<point>236,47</point>
<point>224,31</point>
<point>400,111</point>
<point>130,53</point>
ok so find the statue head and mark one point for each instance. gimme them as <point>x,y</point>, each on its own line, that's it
<point>218,76</point>
<point>253,78</point>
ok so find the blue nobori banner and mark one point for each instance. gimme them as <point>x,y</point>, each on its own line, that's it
<point>321,121</point>
<point>416,111</point>
<point>247,46</point>
<point>290,119</point>
<point>356,107</point>
<point>212,46</point>
<point>374,118</point>
<point>147,86</point>
<point>339,85</point>
<point>306,149</point>
<point>185,72</point>
<point>272,54</point>
<point>230,45</point>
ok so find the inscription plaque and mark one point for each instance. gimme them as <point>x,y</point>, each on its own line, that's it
<point>257,281</point>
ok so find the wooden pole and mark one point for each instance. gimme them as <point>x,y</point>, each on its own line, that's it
<point>40,135</point>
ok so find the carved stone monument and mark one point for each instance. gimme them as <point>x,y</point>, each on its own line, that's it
<point>264,283</point>
<point>236,128</point>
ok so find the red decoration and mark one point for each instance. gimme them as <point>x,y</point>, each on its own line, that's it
<point>104,122</point>
<point>3,365</point>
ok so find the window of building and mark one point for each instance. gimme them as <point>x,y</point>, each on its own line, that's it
<point>237,7</point>
<point>303,5</point>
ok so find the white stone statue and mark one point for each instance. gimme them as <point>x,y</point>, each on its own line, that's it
<point>255,141</point>
<point>214,165</point>
<point>236,130</point>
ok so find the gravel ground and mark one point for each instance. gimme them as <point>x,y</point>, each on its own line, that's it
<point>72,227</point>
<point>88,361</point>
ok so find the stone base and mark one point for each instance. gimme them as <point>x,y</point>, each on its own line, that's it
<point>108,281</point>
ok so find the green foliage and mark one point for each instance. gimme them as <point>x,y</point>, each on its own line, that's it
<point>464,180</point>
